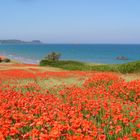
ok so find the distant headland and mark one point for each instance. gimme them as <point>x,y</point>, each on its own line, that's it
<point>15,41</point>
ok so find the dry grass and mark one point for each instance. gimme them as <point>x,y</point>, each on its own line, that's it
<point>32,68</point>
<point>8,66</point>
<point>131,77</point>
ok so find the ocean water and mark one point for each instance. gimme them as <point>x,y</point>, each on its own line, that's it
<point>99,53</point>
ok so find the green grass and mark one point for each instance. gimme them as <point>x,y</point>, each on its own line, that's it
<point>131,67</point>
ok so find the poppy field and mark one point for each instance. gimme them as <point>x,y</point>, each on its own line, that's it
<point>68,105</point>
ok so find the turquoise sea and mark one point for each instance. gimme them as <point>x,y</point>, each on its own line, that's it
<point>99,53</point>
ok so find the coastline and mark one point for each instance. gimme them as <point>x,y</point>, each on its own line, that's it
<point>101,54</point>
<point>19,59</point>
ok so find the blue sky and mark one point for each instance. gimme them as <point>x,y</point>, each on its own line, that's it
<point>71,21</point>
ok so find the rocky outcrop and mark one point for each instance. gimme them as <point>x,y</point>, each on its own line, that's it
<point>121,58</point>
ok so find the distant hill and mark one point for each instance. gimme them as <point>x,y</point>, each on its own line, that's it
<point>14,41</point>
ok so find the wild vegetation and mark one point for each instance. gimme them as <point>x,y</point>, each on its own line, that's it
<point>131,67</point>
<point>73,105</point>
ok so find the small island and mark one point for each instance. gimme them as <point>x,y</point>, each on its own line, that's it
<point>15,41</point>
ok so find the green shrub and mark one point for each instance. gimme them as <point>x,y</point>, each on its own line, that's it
<point>62,64</point>
<point>53,56</point>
